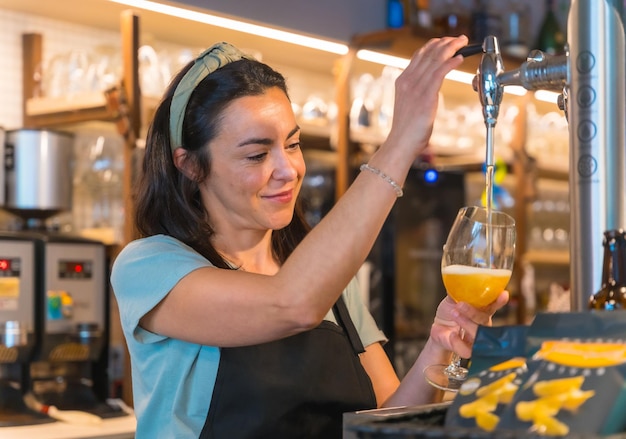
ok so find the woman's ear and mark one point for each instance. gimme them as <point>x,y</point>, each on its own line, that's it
<point>180,161</point>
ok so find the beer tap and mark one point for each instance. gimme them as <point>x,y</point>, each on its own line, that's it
<point>591,80</point>
<point>540,71</point>
<point>490,90</point>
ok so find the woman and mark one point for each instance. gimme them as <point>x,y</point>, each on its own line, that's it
<point>231,307</point>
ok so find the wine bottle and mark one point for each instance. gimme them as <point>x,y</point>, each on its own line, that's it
<point>612,294</point>
<point>551,38</point>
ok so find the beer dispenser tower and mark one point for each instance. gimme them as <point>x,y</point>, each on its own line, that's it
<point>591,78</point>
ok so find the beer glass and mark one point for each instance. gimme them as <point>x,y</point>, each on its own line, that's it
<point>476,266</point>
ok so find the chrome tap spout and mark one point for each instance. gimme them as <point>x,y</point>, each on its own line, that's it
<point>486,81</point>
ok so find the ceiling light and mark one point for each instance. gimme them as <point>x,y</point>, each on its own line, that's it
<point>381,58</point>
<point>240,26</point>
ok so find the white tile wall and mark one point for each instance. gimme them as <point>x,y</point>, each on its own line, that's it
<point>58,37</point>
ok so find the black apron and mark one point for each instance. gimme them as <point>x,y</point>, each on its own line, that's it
<point>296,387</point>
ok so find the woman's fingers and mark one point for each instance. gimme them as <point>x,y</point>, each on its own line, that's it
<point>462,346</point>
<point>470,318</point>
<point>483,316</point>
<point>417,89</point>
<point>452,317</point>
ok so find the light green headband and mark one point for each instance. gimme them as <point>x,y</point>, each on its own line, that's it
<point>207,62</point>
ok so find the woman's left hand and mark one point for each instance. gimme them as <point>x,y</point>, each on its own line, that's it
<point>452,316</point>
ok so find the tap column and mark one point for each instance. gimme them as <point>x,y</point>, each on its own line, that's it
<point>596,107</point>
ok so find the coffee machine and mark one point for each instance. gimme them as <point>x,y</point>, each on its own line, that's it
<point>18,326</point>
<point>68,307</point>
<point>69,370</point>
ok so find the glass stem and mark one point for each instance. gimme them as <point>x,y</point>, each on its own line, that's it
<point>455,363</point>
<point>454,369</point>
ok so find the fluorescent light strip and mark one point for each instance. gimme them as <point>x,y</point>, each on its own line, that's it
<point>381,58</point>
<point>546,96</point>
<point>249,28</point>
<point>459,76</point>
<point>401,63</point>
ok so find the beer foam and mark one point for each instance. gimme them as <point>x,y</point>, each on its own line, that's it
<point>467,270</point>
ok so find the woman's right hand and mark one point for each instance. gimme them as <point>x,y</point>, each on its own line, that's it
<point>417,92</point>
<point>451,317</point>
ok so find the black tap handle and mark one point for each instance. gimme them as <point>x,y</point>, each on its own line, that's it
<point>470,49</point>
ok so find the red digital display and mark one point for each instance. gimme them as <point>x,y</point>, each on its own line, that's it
<point>5,264</point>
<point>75,269</point>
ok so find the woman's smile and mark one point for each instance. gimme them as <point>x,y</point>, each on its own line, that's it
<point>281,197</point>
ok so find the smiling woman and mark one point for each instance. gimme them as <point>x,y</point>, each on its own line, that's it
<point>241,320</point>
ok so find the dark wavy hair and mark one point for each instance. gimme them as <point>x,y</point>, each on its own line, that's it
<point>168,202</point>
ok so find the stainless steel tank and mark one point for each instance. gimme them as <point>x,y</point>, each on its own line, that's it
<point>38,172</point>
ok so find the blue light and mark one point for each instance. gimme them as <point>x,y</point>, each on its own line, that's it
<point>431,176</point>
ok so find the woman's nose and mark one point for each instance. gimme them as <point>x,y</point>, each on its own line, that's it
<point>285,167</point>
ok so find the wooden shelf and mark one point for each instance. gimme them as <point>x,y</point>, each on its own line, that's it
<point>556,170</point>
<point>66,104</point>
<point>547,257</point>
<point>52,112</point>
<point>94,106</point>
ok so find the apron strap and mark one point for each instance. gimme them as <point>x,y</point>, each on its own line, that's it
<point>340,310</point>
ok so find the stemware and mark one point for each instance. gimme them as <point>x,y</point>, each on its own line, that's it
<point>476,266</point>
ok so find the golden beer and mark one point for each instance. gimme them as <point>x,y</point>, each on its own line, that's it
<point>474,285</point>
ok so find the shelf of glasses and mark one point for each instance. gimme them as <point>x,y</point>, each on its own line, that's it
<point>547,257</point>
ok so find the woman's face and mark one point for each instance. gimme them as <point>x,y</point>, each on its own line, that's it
<point>256,165</point>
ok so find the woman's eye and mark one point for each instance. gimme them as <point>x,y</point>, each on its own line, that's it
<point>257,157</point>
<point>294,145</point>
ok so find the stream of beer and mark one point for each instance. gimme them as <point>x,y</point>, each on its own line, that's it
<point>489,175</point>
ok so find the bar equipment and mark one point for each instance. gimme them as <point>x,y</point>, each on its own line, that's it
<point>591,81</point>
<point>70,368</point>
<point>18,332</point>
<point>36,174</point>
<point>67,304</point>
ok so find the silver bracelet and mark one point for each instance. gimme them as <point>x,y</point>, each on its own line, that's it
<point>381,174</point>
